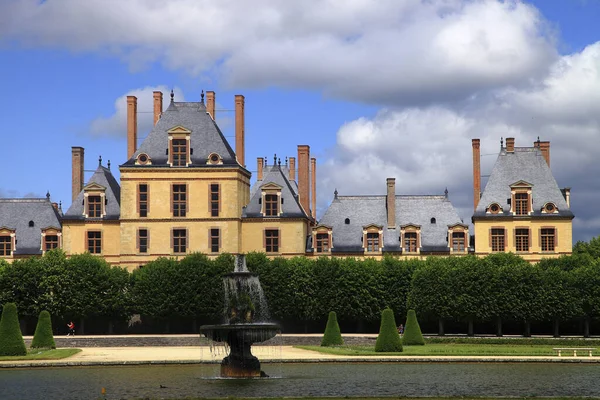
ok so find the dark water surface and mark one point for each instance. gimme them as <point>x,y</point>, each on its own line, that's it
<point>342,379</point>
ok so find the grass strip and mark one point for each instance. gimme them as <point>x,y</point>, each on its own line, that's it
<point>43,354</point>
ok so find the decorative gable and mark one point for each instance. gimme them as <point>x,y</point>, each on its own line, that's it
<point>179,129</point>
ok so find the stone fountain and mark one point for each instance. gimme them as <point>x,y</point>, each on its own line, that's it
<point>246,321</point>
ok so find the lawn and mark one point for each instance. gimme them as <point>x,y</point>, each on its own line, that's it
<point>42,354</point>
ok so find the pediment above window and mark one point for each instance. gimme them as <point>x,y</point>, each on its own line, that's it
<point>179,129</point>
<point>94,187</point>
<point>410,226</point>
<point>521,185</point>
<point>322,228</point>
<point>271,186</point>
<point>458,226</point>
<point>4,230</point>
<point>372,227</point>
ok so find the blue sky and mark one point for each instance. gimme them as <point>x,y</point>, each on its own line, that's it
<point>376,89</point>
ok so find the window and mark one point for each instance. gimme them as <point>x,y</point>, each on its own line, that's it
<point>494,208</point>
<point>94,206</point>
<point>522,239</point>
<point>410,242</point>
<point>214,199</point>
<point>433,221</point>
<point>271,205</point>
<point>548,241</point>
<point>550,208</point>
<point>215,240</point>
<point>272,240</point>
<point>458,241</point>
<point>5,245</point>
<point>322,242</point>
<point>372,241</point>
<point>521,204</point>
<point>50,242</point>
<point>179,200</point>
<point>179,152</point>
<point>143,200</point>
<point>497,239</point>
<point>347,221</point>
<point>143,240</point>
<point>31,224</point>
<point>179,240</point>
<point>94,242</point>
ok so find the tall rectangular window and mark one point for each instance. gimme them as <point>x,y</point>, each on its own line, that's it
<point>50,242</point>
<point>322,242</point>
<point>5,245</point>
<point>214,199</point>
<point>143,240</point>
<point>179,240</point>
<point>372,241</point>
<point>272,240</point>
<point>548,239</point>
<point>458,241</point>
<point>271,209</point>
<point>143,199</point>
<point>179,152</point>
<point>521,203</point>
<point>215,240</point>
<point>497,239</point>
<point>522,239</point>
<point>179,200</point>
<point>410,242</point>
<point>94,206</point>
<point>94,242</point>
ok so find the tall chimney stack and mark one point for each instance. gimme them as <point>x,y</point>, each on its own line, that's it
<point>292,168</point>
<point>260,162</point>
<point>239,128</point>
<point>545,149</point>
<point>210,103</point>
<point>313,186</point>
<point>303,177</point>
<point>510,144</point>
<point>131,125</point>
<point>158,107</point>
<point>391,203</point>
<point>76,171</point>
<point>476,173</point>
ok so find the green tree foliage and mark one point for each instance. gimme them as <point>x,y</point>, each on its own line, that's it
<point>11,339</point>
<point>43,337</point>
<point>412,331</point>
<point>591,248</point>
<point>332,336</point>
<point>388,339</point>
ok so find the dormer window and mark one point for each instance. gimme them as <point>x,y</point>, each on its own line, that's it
<point>271,201</point>
<point>521,203</point>
<point>214,159</point>
<point>51,238</point>
<point>94,201</point>
<point>410,238</point>
<point>94,205</point>
<point>372,238</point>
<point>322,239</point>
<point>347,221</point>
<point>31,224</point>
<point>494,208</point>
<point>458,238</point>
<point>549,208</point>
<point>433,221</point>
<point>521,199</point>
<point>143,159</point>
<point>7,242</point>
<point>179,147</point>
<point>271,206</point>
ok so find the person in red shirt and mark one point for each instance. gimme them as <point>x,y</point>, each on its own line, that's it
<point>71,327</point>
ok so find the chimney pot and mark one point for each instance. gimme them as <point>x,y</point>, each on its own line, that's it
<point>239,128</point>
<point>545,149</point>
<point>259,164</point>
<point>292,168</point>
<point>77,159</point>
<point>158,105</point>
<point>210,103</point>
<point>131,126</point>
<point>510,144</point>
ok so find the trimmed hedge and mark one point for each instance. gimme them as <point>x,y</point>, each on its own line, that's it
<point>332,336</point>
<point>11,339</point>
<point>388,339</point>
<point>412,330</point>
<point>43,337</point>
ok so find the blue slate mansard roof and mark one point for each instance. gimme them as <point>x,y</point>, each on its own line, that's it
<point>205,137</point>
<point>366,210</point>
<point>103,177</point>
<point>17,213</point>
<point>524,164</point>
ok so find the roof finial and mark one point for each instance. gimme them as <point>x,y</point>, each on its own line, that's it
<point>48,195</point>
<point>265,161</point>
<point>274,159</point>
<point>286,161</point>
<point>501,142</point>
<point>538,139</point>
<point>335,194</point>
<point>109,165</point>
<point>279,162</point>
<point>202,97</point>
<point>60,205</point>
<point>172,96</point>
<point>100,161</point>
<point>446,193</point>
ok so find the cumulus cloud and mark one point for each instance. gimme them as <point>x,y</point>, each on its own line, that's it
<point>397,52</point>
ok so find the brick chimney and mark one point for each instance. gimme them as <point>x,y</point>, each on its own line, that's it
<point>313,186</point>
<point>77,171</point>
<point>131,125</point>
<point>545,149</point>
<point>391,203</point>
<point>303,177</point>
<point>210,103</point>
<point>158,96</point>
<point>239,128</point>
<point>259,168</point>
<point>510,144</point>
<point>476,173</point>
<point>292,168</point>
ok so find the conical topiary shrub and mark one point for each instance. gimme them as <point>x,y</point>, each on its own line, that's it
<point>332,336</point>
<point>412,330</point>
<point>11,339</point>
<point>388,339</point>
<point>43,337</point>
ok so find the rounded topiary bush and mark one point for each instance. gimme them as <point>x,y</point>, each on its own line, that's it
<point>412,330</point>
<point>11,339</point>
<point>43,337</point>
<point>332,336</point>
<point>388,339</point>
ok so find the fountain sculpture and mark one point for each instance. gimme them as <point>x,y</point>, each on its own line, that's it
<point>246,321</point>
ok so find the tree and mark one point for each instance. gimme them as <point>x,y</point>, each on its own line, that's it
<point>592,248</point>
<point>332,336</point>
<point>388,339</point>
<point>412,330</point>
<point>11,339</point>
<point>43,337</point>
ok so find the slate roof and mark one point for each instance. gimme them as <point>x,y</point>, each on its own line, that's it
<point>524,164</point>
<point>366,210</point>
<point>205,137</point>
<point>16,214</point>
<point>289,193</point>
<point>103,177</point>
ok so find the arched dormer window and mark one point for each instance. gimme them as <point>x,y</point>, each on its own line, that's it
<point>143,159</point>
<point>494,208</point>
<point>51,239</point>
<point>549,208</point>
<point>372,238</point>
<point>214,159</point>
<point>322,239</point>
<point>347,221</point>
<point>410,238</point>
<point>433,221</point>
<point>7,242</point>
<point>458,238</point>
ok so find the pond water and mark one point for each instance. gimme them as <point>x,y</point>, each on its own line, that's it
<point>327,379</point>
